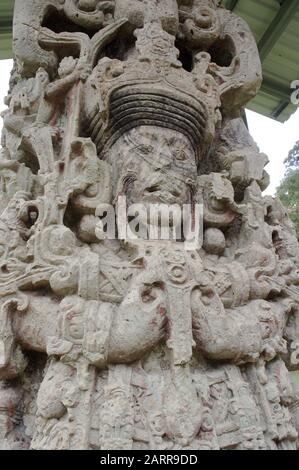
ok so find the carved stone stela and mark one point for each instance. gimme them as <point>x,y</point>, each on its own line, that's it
<point>114,344</point>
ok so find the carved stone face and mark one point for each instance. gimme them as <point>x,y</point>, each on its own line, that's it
<point>157,424</point>
<point>66,66</point>
<point>153,165</point>
<point>42,76</point>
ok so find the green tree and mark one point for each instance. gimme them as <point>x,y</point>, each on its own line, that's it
<point>288,191</point>
<point>292,161</point>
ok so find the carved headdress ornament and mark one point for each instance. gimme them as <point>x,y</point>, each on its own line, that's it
<point>152,89</point>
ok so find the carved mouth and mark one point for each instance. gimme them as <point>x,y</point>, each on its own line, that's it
<point>163,193</point>
<point>153,189</point>
<point>175,192</point>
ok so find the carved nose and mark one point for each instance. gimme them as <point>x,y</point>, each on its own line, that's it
<point>164,159</point>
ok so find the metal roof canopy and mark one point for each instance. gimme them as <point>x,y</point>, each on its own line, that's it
<point>6,18</point>
<point>275,24</point>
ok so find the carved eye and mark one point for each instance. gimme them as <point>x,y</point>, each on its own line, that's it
<point>146,149</point>
<point>92,190</point>
<point>180,155</point>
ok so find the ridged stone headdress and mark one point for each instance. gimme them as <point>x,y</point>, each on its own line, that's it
<point>152,89</point>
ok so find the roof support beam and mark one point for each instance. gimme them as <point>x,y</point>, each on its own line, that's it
<point>231,4</point>
<point>5,25</point>
<point>273,89</point>
<point>279,109</point>
<point>277,27</point>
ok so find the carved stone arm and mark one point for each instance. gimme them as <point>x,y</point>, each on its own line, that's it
<point>33,328</point>
<point>63,85</point>
<point>139,323</point>
<point>12,361</point>
<point>291,335</point>
<point>239,335</point>
<point>99,332</point>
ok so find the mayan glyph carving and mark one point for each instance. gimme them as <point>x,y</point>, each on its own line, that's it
<point>113,343</point>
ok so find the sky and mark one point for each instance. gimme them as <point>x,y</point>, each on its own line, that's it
<point>273,138</point>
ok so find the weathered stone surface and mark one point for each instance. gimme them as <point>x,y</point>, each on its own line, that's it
<point>137,344</point>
